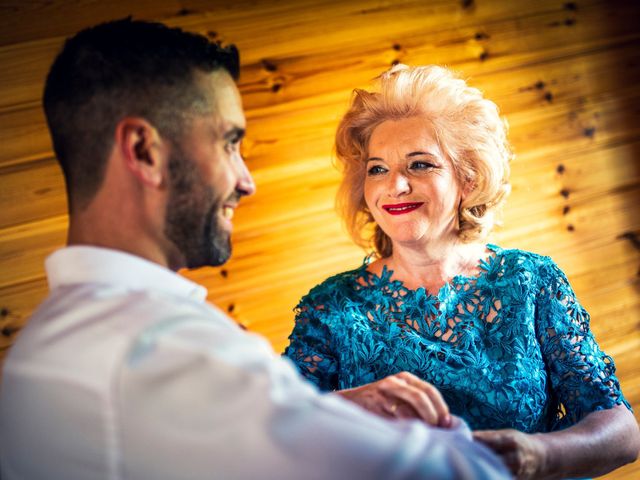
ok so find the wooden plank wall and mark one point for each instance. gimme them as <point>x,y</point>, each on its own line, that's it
<point>565,73</point>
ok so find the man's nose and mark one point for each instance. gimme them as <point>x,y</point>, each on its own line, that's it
<point>245,185</point>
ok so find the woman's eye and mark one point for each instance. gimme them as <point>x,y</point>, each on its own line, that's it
<point>376,170</point>
<point>421,165</point>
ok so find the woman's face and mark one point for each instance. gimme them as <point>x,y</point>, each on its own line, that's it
<point>410,186</point>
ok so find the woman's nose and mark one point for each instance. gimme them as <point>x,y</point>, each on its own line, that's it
<point>400,184</point>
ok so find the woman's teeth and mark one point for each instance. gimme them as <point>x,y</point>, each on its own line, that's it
<point>401,209</point>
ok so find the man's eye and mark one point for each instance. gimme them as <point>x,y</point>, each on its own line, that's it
<point>232,146</point>
<point>376,170</point>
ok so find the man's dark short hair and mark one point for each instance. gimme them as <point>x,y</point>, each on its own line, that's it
<point>118,69</point>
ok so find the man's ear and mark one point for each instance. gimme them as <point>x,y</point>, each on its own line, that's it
<point>143,150</point>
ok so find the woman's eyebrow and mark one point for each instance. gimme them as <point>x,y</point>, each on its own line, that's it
<point>420,154</point>
<point>417,153</point>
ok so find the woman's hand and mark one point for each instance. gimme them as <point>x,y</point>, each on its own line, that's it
<point>524,454</point>
<point>599,443</point>
<point>402,395</point>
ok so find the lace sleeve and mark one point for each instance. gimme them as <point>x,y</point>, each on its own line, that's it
<point>582,375</point>
<point>310,346</point>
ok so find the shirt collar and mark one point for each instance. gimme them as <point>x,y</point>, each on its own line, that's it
<point>87,265</point>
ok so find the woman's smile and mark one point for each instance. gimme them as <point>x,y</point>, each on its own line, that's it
<point>402,208</point>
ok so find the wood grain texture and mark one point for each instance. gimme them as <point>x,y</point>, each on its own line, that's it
<point>566,75</point>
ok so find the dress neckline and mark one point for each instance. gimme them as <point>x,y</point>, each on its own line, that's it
<point>372,279</point>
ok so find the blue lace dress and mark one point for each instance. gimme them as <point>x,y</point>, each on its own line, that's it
<point>508,348</point>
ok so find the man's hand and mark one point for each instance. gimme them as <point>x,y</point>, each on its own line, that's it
<point>402,395</point>
<point>523,454</point>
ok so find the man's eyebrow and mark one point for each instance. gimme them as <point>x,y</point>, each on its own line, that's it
<point>235,134</point>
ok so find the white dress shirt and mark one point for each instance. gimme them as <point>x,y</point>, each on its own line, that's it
<point>125,372</point>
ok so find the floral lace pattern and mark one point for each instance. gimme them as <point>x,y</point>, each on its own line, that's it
<point>508,348</point>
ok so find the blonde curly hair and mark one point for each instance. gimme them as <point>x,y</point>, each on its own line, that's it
<point>467,127</point>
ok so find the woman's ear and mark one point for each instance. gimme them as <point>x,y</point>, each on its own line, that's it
<point>143,150</point>
<point>468,186</point>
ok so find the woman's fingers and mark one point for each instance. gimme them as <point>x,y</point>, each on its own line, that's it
<point>412,403</point>
<point>438,402</point>
<point>502,443</point>
<point>392,407</point>
<point>402,395</point>
<point>521,452</point>
<point>415,398</point>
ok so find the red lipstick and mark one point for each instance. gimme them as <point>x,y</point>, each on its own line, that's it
<point>402,208</point>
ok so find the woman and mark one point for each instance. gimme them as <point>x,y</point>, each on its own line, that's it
<point>499,332</point>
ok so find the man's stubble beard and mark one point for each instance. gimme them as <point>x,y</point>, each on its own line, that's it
<point>191,219</point>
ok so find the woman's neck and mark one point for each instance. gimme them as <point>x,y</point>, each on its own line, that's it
<point>433,265</point>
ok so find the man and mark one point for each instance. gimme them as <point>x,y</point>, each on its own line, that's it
<point>125,371</point>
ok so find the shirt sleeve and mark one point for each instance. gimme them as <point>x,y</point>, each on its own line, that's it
<point>582,376</point>
<point>310,345</point>
<point>197,402</point>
